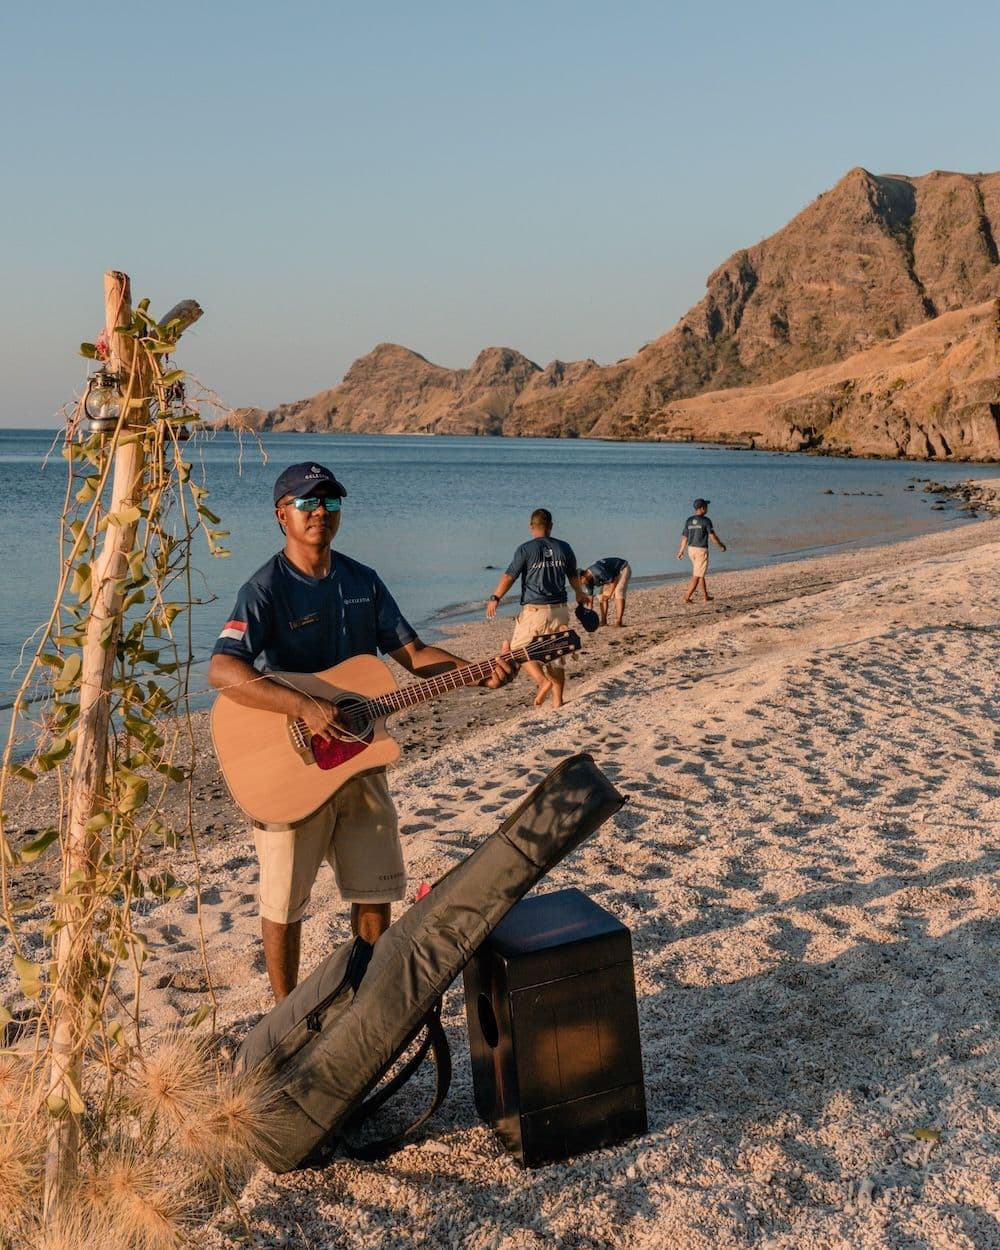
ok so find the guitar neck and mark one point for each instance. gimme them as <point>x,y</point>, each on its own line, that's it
<point>423,691</point>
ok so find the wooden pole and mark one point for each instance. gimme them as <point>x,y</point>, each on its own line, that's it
<point>89,767</point>
<point>87,788</point>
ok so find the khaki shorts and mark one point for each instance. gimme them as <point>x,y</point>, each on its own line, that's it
<point>357,833</point>
<point>699,560</point>
<point>617,590</point>
<point>539,618</point>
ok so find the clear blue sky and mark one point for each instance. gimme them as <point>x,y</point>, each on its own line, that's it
<point>554,176</point>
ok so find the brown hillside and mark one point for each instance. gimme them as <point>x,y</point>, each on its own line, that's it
<point>395,391</point>
<point>865,262</point>
<point>932,393</point>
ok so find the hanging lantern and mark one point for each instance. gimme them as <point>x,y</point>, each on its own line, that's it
<point>103,402</point>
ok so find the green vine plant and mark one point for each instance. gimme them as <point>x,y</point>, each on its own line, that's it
<point>154,1132</point>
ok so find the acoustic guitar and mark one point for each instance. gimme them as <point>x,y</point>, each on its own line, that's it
<point>279,774</point>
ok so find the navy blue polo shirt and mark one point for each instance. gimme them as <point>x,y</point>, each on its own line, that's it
<point>300,624</point>
<point>697,529</point>
<point>606,570</point>
<point>543,565</point>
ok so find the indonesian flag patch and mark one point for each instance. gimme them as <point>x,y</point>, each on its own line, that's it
<point>234,630</point>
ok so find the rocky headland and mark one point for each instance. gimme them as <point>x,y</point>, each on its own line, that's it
<point>868,325</point>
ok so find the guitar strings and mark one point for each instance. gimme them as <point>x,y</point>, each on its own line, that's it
<point>343,732</point>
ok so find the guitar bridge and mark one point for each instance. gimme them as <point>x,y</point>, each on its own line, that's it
<point>300,738</point>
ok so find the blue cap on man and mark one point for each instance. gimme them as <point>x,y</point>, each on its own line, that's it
<point>700,503</point>
<point>303,479</point>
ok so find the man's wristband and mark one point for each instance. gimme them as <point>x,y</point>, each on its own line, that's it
<point>495,598</point>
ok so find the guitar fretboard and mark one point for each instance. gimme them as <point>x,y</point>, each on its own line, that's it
<point>359,713</point>
<point>431,687</point>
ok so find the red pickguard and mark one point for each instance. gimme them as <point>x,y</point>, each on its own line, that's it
<point>333,753</point>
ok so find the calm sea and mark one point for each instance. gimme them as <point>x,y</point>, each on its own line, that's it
<point>438,516</point>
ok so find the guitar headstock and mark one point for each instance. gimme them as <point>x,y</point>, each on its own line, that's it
<point>548,647</point>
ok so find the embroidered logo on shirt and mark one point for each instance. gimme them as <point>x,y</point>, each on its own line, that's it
<point>361,600</point>
<point>311,619</point>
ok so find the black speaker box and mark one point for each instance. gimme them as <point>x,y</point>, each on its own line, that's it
<point>554,1029</point>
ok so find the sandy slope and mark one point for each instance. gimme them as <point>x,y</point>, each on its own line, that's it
<point>808,868</point>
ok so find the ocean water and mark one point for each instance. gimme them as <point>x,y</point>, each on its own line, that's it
<point>439,516</point>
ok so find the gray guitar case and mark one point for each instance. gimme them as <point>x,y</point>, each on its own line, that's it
<point>329,1043</point>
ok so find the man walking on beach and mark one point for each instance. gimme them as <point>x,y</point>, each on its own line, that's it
<point>544,564</point>
<point>309,608</point>
<point>698,529</point>
<point>610,574</point>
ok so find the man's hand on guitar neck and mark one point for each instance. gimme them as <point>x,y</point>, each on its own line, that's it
<point>425,660</point>
<point>505,669</point>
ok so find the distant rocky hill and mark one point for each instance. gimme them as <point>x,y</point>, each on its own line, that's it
<point>930,394</point>
<point>868,261</point>
<point>394,390</point>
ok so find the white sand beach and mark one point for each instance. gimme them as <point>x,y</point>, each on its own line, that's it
<point>807,865</point>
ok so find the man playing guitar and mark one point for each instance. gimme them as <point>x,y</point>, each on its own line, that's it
<point>310,608</point>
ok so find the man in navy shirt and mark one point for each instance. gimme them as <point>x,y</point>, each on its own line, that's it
<point>612,573</point>
<point>307,609</point>
<point>544,564</point>
<point>698,529</point>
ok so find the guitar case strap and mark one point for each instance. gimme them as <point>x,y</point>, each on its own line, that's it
<point>435,1042</point>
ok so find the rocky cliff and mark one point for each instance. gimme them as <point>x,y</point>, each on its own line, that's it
<point>395,391</point>
<point>844,281</point>
<point>933,393</point>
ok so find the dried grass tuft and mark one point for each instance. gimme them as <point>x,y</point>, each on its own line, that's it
<point>161,1160</point>
<point>145,1198</point>
<point>77,1229</point>
<point>17,1088</point>
<point>22,1168</point>
<point>232,1123</point>
<point>173,1083</point>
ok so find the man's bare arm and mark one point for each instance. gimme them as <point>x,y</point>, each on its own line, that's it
<point>503,585</point>
<point>427,661</point>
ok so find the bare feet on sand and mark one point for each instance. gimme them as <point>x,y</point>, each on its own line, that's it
<point>543,693</point>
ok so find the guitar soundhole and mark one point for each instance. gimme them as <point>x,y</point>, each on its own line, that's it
<point>337,751</point>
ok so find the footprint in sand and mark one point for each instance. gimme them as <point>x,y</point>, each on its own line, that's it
<point>237,862</point>
<point>210,896</point>
<point>191,981</point>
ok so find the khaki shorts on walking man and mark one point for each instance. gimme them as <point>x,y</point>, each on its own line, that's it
<point>544,565</point>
